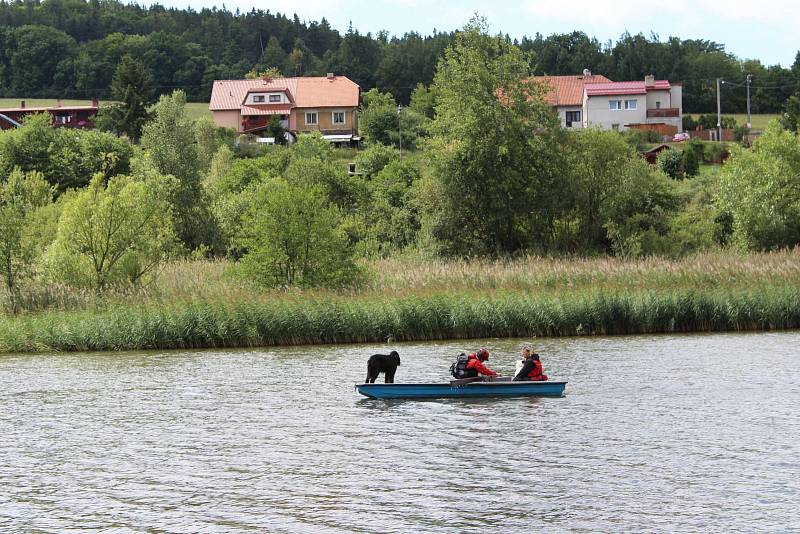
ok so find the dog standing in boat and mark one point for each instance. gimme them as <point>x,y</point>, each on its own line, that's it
<point>382,363</point>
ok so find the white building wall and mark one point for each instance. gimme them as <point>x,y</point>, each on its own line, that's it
<point>250,100</point>
<point>659,96</point>
<point>562,116</point>
<point>598,114</point>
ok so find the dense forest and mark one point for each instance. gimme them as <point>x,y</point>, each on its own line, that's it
<point>70,48</point>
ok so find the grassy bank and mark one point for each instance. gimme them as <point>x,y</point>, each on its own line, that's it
<point>194,304</point>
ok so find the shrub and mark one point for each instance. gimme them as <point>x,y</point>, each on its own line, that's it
<point>292,239</point>
<point>690,164</point>
<point>671,162</point>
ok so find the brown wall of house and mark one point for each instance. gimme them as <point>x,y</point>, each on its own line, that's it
<point>325,120</point>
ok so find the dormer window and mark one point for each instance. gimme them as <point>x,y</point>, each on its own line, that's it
<point>258,98</point>
<point>274,98</point>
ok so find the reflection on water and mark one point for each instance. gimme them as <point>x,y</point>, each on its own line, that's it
<point>657,433</point>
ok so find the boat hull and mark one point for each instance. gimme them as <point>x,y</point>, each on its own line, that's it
<point>477,389</point>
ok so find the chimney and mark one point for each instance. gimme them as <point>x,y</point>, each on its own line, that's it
<point>95,103</point>
<point>58,102</point>
<point>649,80</point>
<point>330,76</point>
<point>587,73</point>
<point>22,104</point>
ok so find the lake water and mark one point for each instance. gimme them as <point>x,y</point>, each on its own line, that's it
<point>655,433</point>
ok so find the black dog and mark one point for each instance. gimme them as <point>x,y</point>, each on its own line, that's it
<point>382,363</point>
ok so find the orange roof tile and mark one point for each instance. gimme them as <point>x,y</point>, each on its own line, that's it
<point>308,92</point>
<point>567,90</point>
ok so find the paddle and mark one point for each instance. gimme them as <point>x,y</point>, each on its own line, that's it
<point>464,381</point>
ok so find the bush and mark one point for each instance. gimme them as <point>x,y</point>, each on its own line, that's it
<point>671,162</point>
<point>760,188</point>
<point>690,164</point>
<point>292,238</point>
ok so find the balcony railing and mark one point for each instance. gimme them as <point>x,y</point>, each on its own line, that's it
<point>663,113</point>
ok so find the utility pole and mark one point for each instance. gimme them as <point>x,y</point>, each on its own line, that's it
<point>749,122</point>
<point>719,114</point>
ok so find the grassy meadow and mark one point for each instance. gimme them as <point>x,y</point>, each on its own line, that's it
<point>760,121</point>
<point>197,304</point>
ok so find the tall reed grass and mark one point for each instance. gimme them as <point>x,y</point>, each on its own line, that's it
<point>195,304</point>
<point>349,319</point>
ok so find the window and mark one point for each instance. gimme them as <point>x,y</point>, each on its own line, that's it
<point>630,104</point>
<point>258,98</point>
<point>573,116</point>
<point>615,127</point>
<point>658,104</point>
<point>311,117</point>
<point>274,98</point>
<point>615,104</point>
<point>338,117</point>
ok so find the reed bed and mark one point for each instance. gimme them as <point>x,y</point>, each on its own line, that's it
<point>350,319</point>
<point>195,304</point>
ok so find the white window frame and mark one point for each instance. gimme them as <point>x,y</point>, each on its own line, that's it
<point>615,105</point>
<point>274,98</point>
<point>258,99</point>
<point>316,118</point>
<point>333,118</point>
<point>631,104</point>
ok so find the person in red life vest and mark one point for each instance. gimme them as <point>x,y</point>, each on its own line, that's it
<point>532,370</point>
<point>475,365</point>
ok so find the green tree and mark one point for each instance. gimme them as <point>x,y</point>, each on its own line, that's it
<point>690,163</point>
<point>66,158</point>
<point>131,89</point>
<point>670,161</point>
<point>169,140</point>
<point>791,114</point>
<point>114,233</point>
<point>20,195</point>
<point>494,156</point>
<point>273,57</point>
<point>276,131</point>
<point>292,238</point>
<point>760,188</point>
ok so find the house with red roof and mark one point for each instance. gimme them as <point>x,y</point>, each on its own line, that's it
<point>649,104</point>
<point>64,116</point>
<point>325,104</point>
<point>565,95</point>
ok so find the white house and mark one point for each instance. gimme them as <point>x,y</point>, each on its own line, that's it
<point>646,105</point>
<point>565,95</point>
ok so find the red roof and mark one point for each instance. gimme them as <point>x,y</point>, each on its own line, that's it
<point>52,109</point>
<point>625,88</point>
<point>567,90</point>
<point>308,92</point>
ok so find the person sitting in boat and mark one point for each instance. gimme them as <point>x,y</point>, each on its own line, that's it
<point>470,366</point>
<point>532,369</point>
<point>526,354</point>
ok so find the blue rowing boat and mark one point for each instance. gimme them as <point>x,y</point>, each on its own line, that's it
<point>462,388</point>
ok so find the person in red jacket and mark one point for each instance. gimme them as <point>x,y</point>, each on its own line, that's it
<point>532,370</point>
<point>475,364</point>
